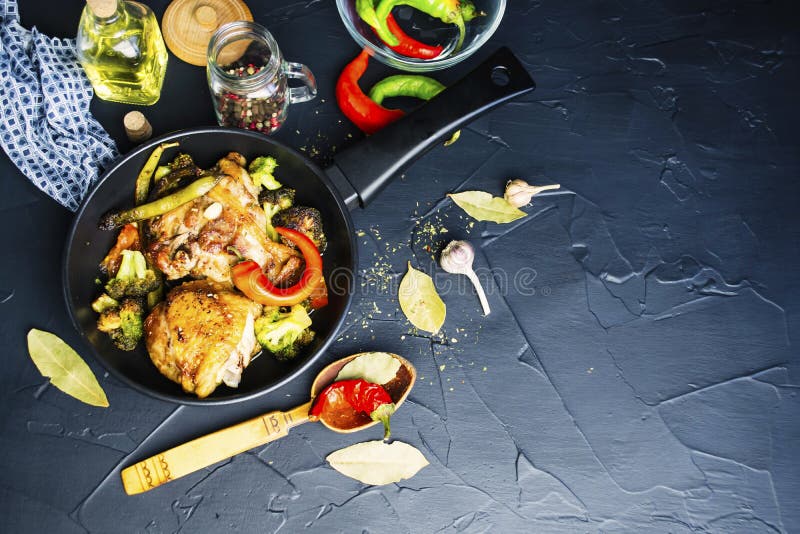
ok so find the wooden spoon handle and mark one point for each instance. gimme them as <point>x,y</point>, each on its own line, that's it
<point>210,449</point>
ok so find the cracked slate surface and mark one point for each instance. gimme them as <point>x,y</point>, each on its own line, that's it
<point>642,374</point>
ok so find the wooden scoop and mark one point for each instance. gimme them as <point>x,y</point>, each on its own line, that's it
<point>222,444</point>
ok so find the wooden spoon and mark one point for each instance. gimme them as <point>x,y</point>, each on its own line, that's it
<point>222,444</point>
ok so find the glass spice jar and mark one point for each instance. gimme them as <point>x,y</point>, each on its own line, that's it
<point>249,80</point>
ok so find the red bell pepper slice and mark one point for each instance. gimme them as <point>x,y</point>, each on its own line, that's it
<point>251,280</point>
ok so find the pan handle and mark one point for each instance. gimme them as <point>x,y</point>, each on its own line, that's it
<point>362,171</point>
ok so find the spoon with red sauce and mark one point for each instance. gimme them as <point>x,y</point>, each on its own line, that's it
<point>335,413</point>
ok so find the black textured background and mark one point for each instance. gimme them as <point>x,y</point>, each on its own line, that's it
<point>642,374</point>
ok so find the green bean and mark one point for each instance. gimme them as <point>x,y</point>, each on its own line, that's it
<point>196,189</point>
<point>146,174</point>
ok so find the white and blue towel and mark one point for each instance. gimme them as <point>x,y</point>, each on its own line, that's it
<point>46,127</point>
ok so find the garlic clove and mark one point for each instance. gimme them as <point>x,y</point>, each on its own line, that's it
<point>457,258</point>
<point>519,192</point>
<point>213,211</point>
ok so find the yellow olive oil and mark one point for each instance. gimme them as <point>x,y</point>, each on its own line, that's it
<point>121,49</point>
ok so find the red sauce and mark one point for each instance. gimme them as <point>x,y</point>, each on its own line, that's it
<point>337,413</point>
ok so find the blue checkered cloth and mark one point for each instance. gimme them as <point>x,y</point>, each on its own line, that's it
<point>46,127</point>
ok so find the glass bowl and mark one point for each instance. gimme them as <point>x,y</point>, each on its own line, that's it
<point>427,29</point>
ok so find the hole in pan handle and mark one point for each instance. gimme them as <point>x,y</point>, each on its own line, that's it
<point>362,171</point>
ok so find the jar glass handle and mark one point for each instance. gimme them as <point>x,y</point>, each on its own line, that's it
<point>300,72</point>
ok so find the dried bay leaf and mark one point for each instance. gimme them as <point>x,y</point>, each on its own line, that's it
<point>420,302</point>
<point>377,462</point>
<point>374,367</point>
<point>65,368</point>
<point>484,207</point>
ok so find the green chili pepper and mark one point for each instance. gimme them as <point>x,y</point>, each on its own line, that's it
<point>146,174</point>
<point>366,10</point>
<point>196,189</point>
<point>407,46</point>
<point>469,11</point>
<point>412,85</point>
<point>448,11</point>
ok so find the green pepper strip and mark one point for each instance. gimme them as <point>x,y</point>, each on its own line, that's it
<point>448,11</point>
<point>146,174</point>
<point>196,189</point>
<point>411,85</point>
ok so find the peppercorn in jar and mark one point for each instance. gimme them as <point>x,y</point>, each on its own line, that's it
<point>248,78</point>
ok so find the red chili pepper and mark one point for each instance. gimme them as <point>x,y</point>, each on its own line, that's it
<point>357,106</point>
<point>362,396</point>
<point>409,46</point>
<point>319,297</point>
<point>251,280</point>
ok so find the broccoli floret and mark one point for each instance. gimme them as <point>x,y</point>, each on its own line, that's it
<point>303,219</point>
<point>157,295</point>
<point>109,320</point>
<point>261,170</point>
<point>124,324</point>
<point>103,303</point>
<point>282,198</point>
<point>131,314</point>
<point>284,334</point>
<point>274,201</point>
<point>171,177</point>
<point>291,351</point>
<point>133,278</point>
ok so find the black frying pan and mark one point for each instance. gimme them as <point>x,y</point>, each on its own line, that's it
<point>357,175</point>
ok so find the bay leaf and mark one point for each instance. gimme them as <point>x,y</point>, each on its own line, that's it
<point>378,462</point>
<point>482,206</point>
<point>65,368</point>
<point>374,367</point>
<point>420,302</point>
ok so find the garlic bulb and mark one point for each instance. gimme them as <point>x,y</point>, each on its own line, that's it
<point>457,258</point>
<point>519,192</point>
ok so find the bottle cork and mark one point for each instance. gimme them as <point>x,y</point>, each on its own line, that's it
<point>137,127</point>
<point>103,8</point>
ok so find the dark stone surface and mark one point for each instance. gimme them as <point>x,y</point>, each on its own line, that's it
<point>639,371</point>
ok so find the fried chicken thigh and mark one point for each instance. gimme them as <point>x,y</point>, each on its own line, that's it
<point>202,335</point>
<point>194,239</point>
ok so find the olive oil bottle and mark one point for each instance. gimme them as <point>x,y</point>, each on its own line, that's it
<point>121,49</point>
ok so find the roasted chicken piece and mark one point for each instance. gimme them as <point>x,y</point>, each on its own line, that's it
<point>202,335</point>
<point>194,239</point>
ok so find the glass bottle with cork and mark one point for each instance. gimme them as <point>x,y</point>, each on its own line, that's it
<point>121,49</point>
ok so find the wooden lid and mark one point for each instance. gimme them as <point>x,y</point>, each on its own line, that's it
<point>188,25</point>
